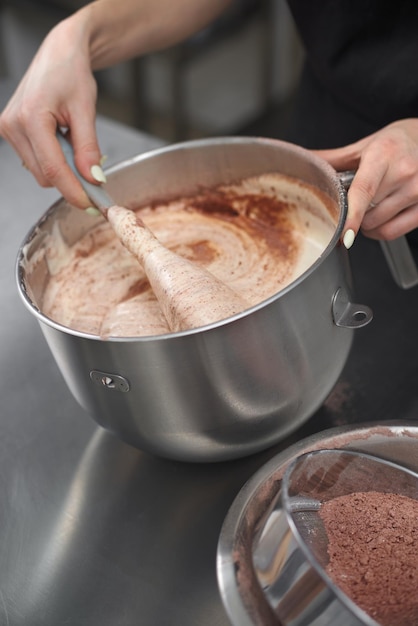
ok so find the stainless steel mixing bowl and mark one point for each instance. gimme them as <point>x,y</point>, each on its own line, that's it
<point>228,389</point>
<point>291,554</point>
<point>260,560</point>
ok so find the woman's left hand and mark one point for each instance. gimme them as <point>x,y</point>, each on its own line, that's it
<point>383,197</point>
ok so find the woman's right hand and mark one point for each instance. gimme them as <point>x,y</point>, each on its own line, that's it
<point>58,90</point>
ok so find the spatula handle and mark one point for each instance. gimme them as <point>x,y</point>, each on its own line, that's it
<point>95,193</point>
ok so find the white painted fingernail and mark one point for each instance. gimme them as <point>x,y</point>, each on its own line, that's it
<point>98,174</point>
<point>103,159</point>
<point>348,238</point>
<point>91,210</point>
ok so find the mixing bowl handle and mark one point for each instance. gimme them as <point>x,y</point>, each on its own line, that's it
<point>347,314</point>
<point>398,254</point>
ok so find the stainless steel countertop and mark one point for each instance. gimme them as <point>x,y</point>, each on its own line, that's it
<point>94,532</point>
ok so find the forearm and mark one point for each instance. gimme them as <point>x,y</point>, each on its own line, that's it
<point>118,30</point>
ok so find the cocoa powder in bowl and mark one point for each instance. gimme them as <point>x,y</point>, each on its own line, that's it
<point>373,553</point>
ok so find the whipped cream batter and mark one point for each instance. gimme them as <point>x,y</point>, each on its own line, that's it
<point>256,237</point>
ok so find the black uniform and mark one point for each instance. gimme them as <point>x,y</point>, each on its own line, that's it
<point>361,69</point>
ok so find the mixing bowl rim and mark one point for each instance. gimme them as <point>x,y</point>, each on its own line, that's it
<point>150,154</point>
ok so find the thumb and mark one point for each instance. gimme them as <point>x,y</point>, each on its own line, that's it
<point>348,158</point>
